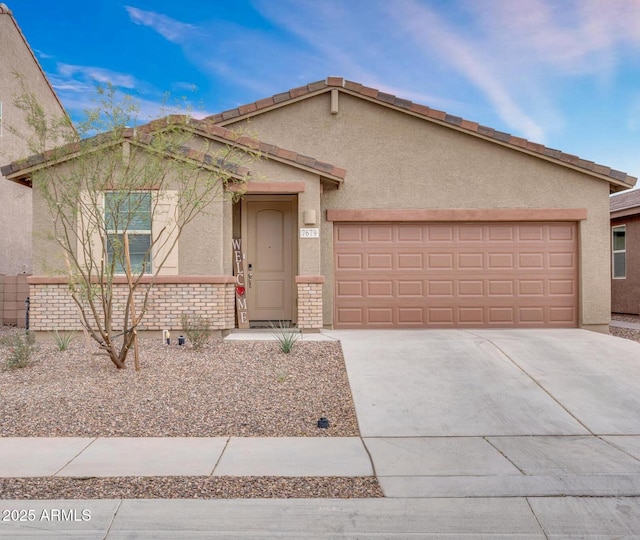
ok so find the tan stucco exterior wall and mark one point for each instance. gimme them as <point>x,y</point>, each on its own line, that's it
<point>16,211</point>
<point>204,249</point>
<point>394,160</point>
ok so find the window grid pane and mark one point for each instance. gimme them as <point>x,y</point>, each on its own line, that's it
<point>131,213</point>
<point>618,248</point>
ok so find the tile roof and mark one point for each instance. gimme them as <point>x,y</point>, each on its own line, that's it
<point>144,134</point>
<point>423,111</point>
<point>624,201</point>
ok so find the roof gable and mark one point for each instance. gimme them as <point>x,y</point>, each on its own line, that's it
<point>21,171</point>
<point>618,180</point>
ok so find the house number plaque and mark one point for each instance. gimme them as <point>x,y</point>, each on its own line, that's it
<point>310,233</point>
<point>241,292</point>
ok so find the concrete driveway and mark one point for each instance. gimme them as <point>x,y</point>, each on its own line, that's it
<point>497,413</point>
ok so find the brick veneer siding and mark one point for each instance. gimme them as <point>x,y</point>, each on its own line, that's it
<point>52,307</point>
<point>309,301</point>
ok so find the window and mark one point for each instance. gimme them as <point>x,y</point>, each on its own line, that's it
<point>127,212</point>
<point>619,251</point>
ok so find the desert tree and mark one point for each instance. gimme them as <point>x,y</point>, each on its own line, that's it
<point>119,198</point>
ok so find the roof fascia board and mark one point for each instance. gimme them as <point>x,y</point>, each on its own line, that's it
<point>635,210</point>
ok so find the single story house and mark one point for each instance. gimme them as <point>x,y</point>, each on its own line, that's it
<point>625,252</point>
<point>375,212</point>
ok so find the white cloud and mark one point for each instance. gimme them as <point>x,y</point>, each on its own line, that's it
<point>170,29</point>
<point>97,75</point>
<point>433,35</point>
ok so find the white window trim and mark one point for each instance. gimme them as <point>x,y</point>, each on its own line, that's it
<point>616,251</point>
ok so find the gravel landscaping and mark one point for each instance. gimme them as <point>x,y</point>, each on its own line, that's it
<point>237,388</point>
<point>627,333</point>
<point>190,487</point>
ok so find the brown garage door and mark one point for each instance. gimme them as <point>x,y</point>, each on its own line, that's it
<point>455,275</point>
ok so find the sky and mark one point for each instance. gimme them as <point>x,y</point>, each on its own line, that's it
<point>564,73</point>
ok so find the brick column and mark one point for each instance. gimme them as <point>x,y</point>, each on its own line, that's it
<point>309,302</point>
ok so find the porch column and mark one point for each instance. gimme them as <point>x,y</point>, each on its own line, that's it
<point>309,302</point>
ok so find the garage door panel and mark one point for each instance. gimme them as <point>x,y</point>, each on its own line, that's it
<point>500,287</point>
<point>532,315</point>
<point>561,232</point>
<point>410,289</point>
<point>440,315</point>
<point>501,261</point>
<point>410,261</point>
<point>562,287</point>
<point>349,261</point>
<point>561,260</point>
<point>470,288</point>
<point>470,234</point>
<point>440,233</point>
<point>445,275</point>
<point>470,261</point>
<point>411,316</point>
<point>379,261</point>
<point>440,287</point>
<point>411,233</point>
<point>349,289</point>
<point>440,261</point>
<point>381,289</point>
<point>531,260</point>
<point>530,233</point>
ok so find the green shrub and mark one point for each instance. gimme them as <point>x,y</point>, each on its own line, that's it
<point>63,340</point>
<point>21,348</point>
<point>197,330</point>
<point>286,336</point>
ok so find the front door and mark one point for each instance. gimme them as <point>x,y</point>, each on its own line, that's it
<point>269,259</point>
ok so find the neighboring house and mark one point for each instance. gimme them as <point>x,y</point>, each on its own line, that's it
<point>15,218</point>
<point>405,217</point>
<point>625,252</point>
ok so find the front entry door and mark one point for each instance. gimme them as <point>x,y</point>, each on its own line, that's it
<point>269,260</point>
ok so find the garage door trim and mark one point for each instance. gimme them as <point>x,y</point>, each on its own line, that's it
<point>459,214</point>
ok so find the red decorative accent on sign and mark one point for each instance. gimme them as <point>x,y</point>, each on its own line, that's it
<point>240,291</point>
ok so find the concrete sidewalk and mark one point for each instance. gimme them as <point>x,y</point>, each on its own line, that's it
<point>406,467</point>
<point>183,456</point>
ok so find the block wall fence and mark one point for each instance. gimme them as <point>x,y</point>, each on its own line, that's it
<point>14,290</point>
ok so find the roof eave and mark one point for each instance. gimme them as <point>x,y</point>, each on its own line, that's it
<point>625,212</point>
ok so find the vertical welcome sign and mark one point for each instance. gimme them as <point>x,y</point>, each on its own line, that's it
<point>241,292</point>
